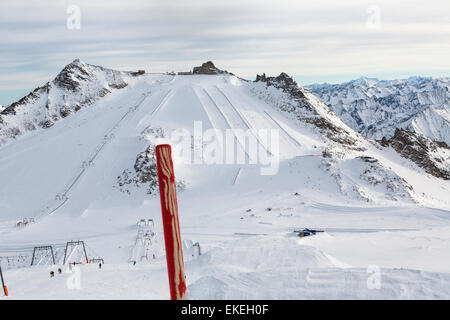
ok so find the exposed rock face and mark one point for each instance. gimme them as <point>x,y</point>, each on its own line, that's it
<point>144,174</point>
<point>284,82</point>
<point>433,156</point>
<point>306,108</point>
<point>77,85</point>
<point>207,68</point>
<point>30,98</point>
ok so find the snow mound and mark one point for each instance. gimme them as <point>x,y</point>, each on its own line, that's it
<point>260,254</point>
<point>365,178</point>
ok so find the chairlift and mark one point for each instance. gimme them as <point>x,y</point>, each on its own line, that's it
<point>149,234</point>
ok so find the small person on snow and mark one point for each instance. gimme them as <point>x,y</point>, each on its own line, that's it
<point>99,265</point>
<point>134,262</point>
<point>59,270</point>
<point>52,274</point>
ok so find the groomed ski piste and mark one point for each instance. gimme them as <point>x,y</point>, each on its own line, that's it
<point>374,246</point>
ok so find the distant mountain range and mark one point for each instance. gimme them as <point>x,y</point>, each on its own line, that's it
<point>376,108</point>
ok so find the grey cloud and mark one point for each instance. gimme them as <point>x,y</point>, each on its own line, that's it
<point>245,36</point>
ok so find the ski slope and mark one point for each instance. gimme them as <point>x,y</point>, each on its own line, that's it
<point>66,177</point>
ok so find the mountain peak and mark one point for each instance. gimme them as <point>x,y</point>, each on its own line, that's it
<point>72,74</point>
<point>78,85</point>
<point>365,81</point>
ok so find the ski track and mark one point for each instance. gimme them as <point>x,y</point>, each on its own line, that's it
<point>296,147</point>
<point>227,121</point>
<point>207,112</point>
<point>293,141</point>
<point>244,120</point>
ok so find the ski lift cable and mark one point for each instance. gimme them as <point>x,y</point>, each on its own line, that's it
<point>44,212</point>
<point>89,248</point>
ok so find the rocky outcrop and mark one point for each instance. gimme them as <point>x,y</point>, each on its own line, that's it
<point>143,175</point>
<point>305,107</point>
<point>208,68</point>
<point>28,99</point>
<point>433,156</point>
<point>285,82</point>
<point>359,177</point>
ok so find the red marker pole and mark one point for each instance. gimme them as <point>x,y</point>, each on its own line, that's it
<point>171,223</point>
<point>5,289</point>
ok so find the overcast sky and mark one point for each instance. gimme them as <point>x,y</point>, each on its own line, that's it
<point>315,41</point>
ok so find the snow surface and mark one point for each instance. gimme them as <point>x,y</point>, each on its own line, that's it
<point>389,214</point>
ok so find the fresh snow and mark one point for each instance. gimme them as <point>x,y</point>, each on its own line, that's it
<point>389,215</point>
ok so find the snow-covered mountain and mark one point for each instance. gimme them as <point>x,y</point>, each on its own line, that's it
<point>375,108</point>
<point>77,155</point>
<point>77,86</point>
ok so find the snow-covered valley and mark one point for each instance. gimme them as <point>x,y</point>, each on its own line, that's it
<point>386,220</point>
